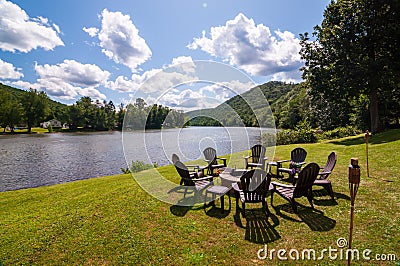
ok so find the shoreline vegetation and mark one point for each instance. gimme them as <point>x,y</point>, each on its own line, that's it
<point>110,220</point>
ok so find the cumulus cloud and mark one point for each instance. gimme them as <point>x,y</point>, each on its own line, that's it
<point>181,70</point>
<point>250,47</point>
<point>68,80</point>
<point>120,40</point>
<point>21,33</point>
<point>187,100</point>
<point>8,71</point>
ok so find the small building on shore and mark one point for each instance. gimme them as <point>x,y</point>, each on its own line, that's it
<point>53,122</point>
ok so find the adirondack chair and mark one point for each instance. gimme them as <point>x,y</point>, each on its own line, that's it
<point>323,180</point>
<point>194,180</point>
<point>210,156</point>
<point>297,159</point>
<point>257,158</point>
<point>253,188</point>
<point>192,167</point>
<point>302,188</point>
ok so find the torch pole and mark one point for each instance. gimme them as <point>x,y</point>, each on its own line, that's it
<point>354,182</point>
<point>366,149</point>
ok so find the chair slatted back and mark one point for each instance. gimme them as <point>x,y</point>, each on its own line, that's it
<point>330,164</point>
<point>298,155</point>
<point>210,154</point>
<point>255,184</point>
<point>306,179</point>
<point>257,153</point>
<point>184,173</point>
<point>175,158</point>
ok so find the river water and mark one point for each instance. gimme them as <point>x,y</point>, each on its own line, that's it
<point>45,159</point>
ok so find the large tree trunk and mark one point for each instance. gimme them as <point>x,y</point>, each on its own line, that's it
<point>373,109</point>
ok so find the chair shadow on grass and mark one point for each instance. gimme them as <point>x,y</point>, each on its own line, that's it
<point>217,212</point>
<point>258,227</point>
<point>314,219</point>
<point>318,193</point>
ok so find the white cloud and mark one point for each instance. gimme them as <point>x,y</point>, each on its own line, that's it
<point>251,47</point>
<point>68,80</point>
<point>187,100</point>
<point>74,72</point>
<point>8,71</point>
<point>21,33</point>
<point>120,40</point>
<point>181,70</point>
<point>91,31</point>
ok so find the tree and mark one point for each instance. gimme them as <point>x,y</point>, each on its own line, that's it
<point>10,111</point>
<point>35,105</point>
<point>356,52</point>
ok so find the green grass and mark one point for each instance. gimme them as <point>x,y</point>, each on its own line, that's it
<point>112,221</point>
<point>25,130</point>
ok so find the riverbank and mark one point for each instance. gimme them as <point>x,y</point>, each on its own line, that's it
<point>112,221</point>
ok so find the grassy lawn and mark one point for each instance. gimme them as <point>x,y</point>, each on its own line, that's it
<point>25,130</point>
<point>112,221</point>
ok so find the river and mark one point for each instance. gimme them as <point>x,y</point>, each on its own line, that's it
<point>45,159</point>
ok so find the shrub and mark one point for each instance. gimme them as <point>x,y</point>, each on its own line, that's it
<point>138,166</point>
<point>50,129</point>
<point>340,132</point>
<point>303,133</point>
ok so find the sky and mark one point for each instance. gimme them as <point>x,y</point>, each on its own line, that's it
<point>120,50</point>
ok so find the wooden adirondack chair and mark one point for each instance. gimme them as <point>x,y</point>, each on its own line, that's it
<point>253,188</point>
<point>257,158</point>
<point>210,156</point>
<point>323,180</point>
<point>302,188</point>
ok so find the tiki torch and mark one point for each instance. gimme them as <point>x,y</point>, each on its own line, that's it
<point>366,149</point>
<point>354,182</point>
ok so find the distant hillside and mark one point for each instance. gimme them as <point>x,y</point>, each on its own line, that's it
<point>237,111</point>
<point>55,107</point>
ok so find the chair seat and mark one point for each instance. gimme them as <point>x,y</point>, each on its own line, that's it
<point>285,192</point>
<point>202,184</point>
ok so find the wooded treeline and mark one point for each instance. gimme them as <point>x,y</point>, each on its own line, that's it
<point>20,108</point>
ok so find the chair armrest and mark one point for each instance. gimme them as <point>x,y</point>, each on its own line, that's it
<point>202,178</point>
<point>235,186</point>
<point>247,157</point>
<point>223,159</point>
<point>302,163</point>
<point>275,184</point>
<point>324,173</point>
<point>265,159</point>
<point>283,161</point>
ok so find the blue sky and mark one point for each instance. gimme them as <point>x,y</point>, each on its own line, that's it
<point>107,49</point>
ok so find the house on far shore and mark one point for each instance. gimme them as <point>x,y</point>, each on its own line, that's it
<point>53,122</point>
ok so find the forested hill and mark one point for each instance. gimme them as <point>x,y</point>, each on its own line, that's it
<point>18,93</point>
<point>279,95</point>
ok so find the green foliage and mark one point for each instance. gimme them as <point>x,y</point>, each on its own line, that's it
<point>35,105</point>
<point>140,116</point>
<point>138,166</point>
<point>340,132</point>
<point>303,133</point>
<point>248,109</point>
<point>355,52</point>
<point>10,110</point>
<point>50,128</point>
